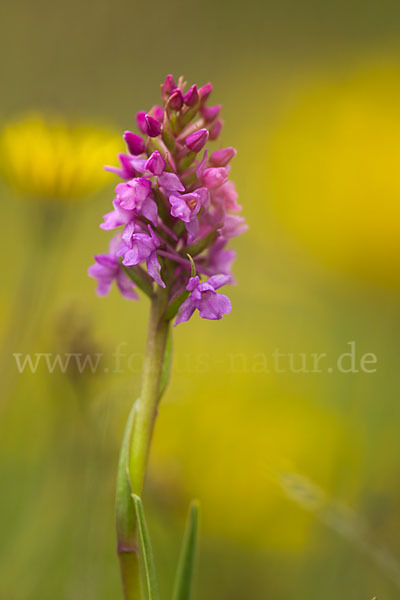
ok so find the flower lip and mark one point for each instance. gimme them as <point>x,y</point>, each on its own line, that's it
<point>204,297</point>
<point>127,170</point>
<point>170,182</point>
<point>107,269</point>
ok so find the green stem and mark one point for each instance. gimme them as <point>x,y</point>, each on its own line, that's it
<point>126,521</point>
<point>136,445</point>
<point>149,394</point>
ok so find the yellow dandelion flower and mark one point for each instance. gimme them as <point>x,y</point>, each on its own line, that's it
<point>50,160</point>
<point>332,170</point>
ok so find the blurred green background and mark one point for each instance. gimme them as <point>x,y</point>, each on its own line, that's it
<point>298,474</point>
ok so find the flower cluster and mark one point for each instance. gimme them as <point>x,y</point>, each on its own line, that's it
<point>176,208</point>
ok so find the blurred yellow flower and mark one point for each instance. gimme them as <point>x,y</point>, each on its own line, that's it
<point>51,160</point>
<point>226,442</point>
<point>333,171</point>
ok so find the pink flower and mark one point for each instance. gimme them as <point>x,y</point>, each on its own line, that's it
<point>226,196</point>
<point>177,207</point>
<point>186,207</point>
<point>204,298</point>
<point>136,247</point>
<point>155,164</point>
<point>108,269</point>
<point>215,177</point>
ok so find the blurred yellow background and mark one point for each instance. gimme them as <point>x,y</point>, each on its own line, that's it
<point>298,474</point>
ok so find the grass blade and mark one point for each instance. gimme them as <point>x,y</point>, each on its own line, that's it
<point>184,577</point>
<point>146,553</point>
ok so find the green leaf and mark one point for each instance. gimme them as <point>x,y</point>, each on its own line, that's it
<point>184,576</point>
<point>125,514</point>
<point>126,519</point>
<point>176,301</point>
<point>145,551</point>
<point>166,367</point>
<point>141,278</point>
<point>173,306</point>
<point>193,265</point>
<point>187,161</point>
<point>198,247</point>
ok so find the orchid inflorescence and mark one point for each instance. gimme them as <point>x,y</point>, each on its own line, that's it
<point>177,208</point>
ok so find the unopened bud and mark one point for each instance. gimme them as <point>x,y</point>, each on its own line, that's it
<point>220,158</point>
<point>191,97</point>
<point>175,101</point>
<point>215,177</point>
<point>153,127</point>
<point>210,113</point>
<point>205,91</point>
<point>141,121</point>
<point>216,130</point>
<point>156,163</point>
<point>197,140</point>
<point>167,87</point>
<point>157,112</point>
<point>134,142</point>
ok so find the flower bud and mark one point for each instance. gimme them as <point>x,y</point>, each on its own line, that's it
<point>134,142</point>
<point>155,164</point>
<point>175,101</point>
<point>215,177</point>
<point>168,86</point>
<point>153,127</point>
<point>210,113</point>
<point>205,91</point>
<point>157,112</point>
<point>216,130</point>
<point>191,97</point>
<point>220,158</point>
<point>141,121</point>
<point>197,140</point>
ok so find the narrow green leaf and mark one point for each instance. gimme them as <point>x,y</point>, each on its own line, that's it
<point>166,368</point>
<point>145,551</point>
<point>188,116</point>
<point>202,244</point>
<point>126,519</point>
<point>173,306</point>
<point>177,301</point>
<point>187,161</point>
<point>141,278</point>
<point>184,577</point>
<point>193,265</point>
<point>125,514</point>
